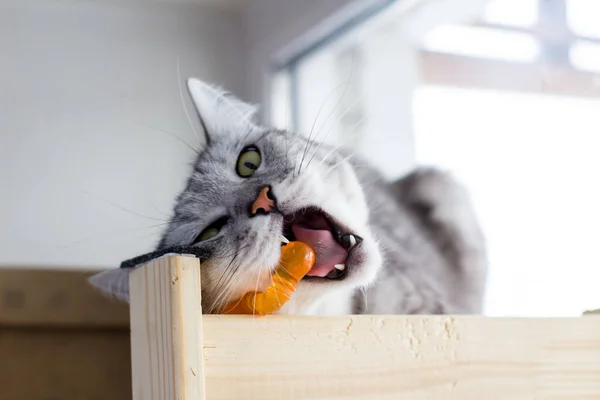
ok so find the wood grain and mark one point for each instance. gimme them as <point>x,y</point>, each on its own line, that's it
<point>412,358</point>
<point>166,330</point>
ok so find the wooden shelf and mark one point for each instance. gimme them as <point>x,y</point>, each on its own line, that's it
<point>179,353</point>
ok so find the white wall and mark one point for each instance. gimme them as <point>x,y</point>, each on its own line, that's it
<point>81,83</point>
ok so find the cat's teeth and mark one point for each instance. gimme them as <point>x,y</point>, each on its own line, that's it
<point>340,267</point>
<point>283,239</point>
<point>352,242</point>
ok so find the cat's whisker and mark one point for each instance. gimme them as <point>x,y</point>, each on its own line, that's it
<point>256,290</point>
<point>330,169</point>
<point>219,288</point>
<point>168,215</point>
<point>309,141</point>
<point>347,84</point>
<point>287,151</point>
<point>113,232</point>
<point>284,268</point>
<point>228,299</point>
<point>187,114</point>
<point>171,134</point>
<point>276,275</point>
<point>244,137</point>
<point>228,269</point>
<point>328,132</point>
<point>364,291</point>
<point>123,208</point>
<point>227,294</point>
<point>288,285</point>
<point>351,137</point>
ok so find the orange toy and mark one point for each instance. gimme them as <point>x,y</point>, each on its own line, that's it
<point>297,258</point>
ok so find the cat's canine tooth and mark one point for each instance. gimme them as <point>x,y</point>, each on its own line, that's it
<point>340,267</point>
<point>283,239</point>
<point>352,242</point>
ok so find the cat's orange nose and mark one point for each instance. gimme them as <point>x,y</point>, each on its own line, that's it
<point>264,202</point>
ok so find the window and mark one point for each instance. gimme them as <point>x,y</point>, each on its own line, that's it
<point>583,17</point>
<point>522,134</point>
<point>531,172</point>
<point>517,13</point>
<point>585,56</point>
<point>483,42</point>
<point>507,101</point>
<point>353,91</point>
<point>550,46</point>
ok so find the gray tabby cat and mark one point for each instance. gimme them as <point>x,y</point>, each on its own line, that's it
<point>412,246</point>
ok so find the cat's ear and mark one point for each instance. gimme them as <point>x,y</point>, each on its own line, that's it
<point>113,282</point>
<point>219,111</point>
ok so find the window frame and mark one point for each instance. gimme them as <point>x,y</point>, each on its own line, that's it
<point>287,65</point>
<point>552,73</point>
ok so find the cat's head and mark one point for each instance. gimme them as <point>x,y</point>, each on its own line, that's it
<point>253,187</point>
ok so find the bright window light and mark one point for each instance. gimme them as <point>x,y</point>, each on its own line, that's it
<point>281,101</point>
<point>585,56</point>
<point>530,163</point>
<point>520,13</point>
<point>583,17</point>
<point>483,42</point>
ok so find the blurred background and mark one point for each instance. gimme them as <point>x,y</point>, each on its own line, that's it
<point>95,140</point>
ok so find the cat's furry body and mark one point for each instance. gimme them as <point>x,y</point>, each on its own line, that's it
<point>421,252</point>
<point>433,249</point>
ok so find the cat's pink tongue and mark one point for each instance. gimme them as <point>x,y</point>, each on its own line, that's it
<point>327,250</point>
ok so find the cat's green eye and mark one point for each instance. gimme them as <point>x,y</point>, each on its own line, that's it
<point>248,162</point>
<point>208,233</point>
<point>212,230</point>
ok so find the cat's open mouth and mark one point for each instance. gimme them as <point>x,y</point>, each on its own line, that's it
<point>331,243</point>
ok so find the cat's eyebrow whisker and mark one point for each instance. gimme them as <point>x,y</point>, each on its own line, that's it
<point>244,137</point>
<point>346,85</point>
<point>187,114</point>
<point>331,130</point>
<point>287,150</point>
<point>310,141</point>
